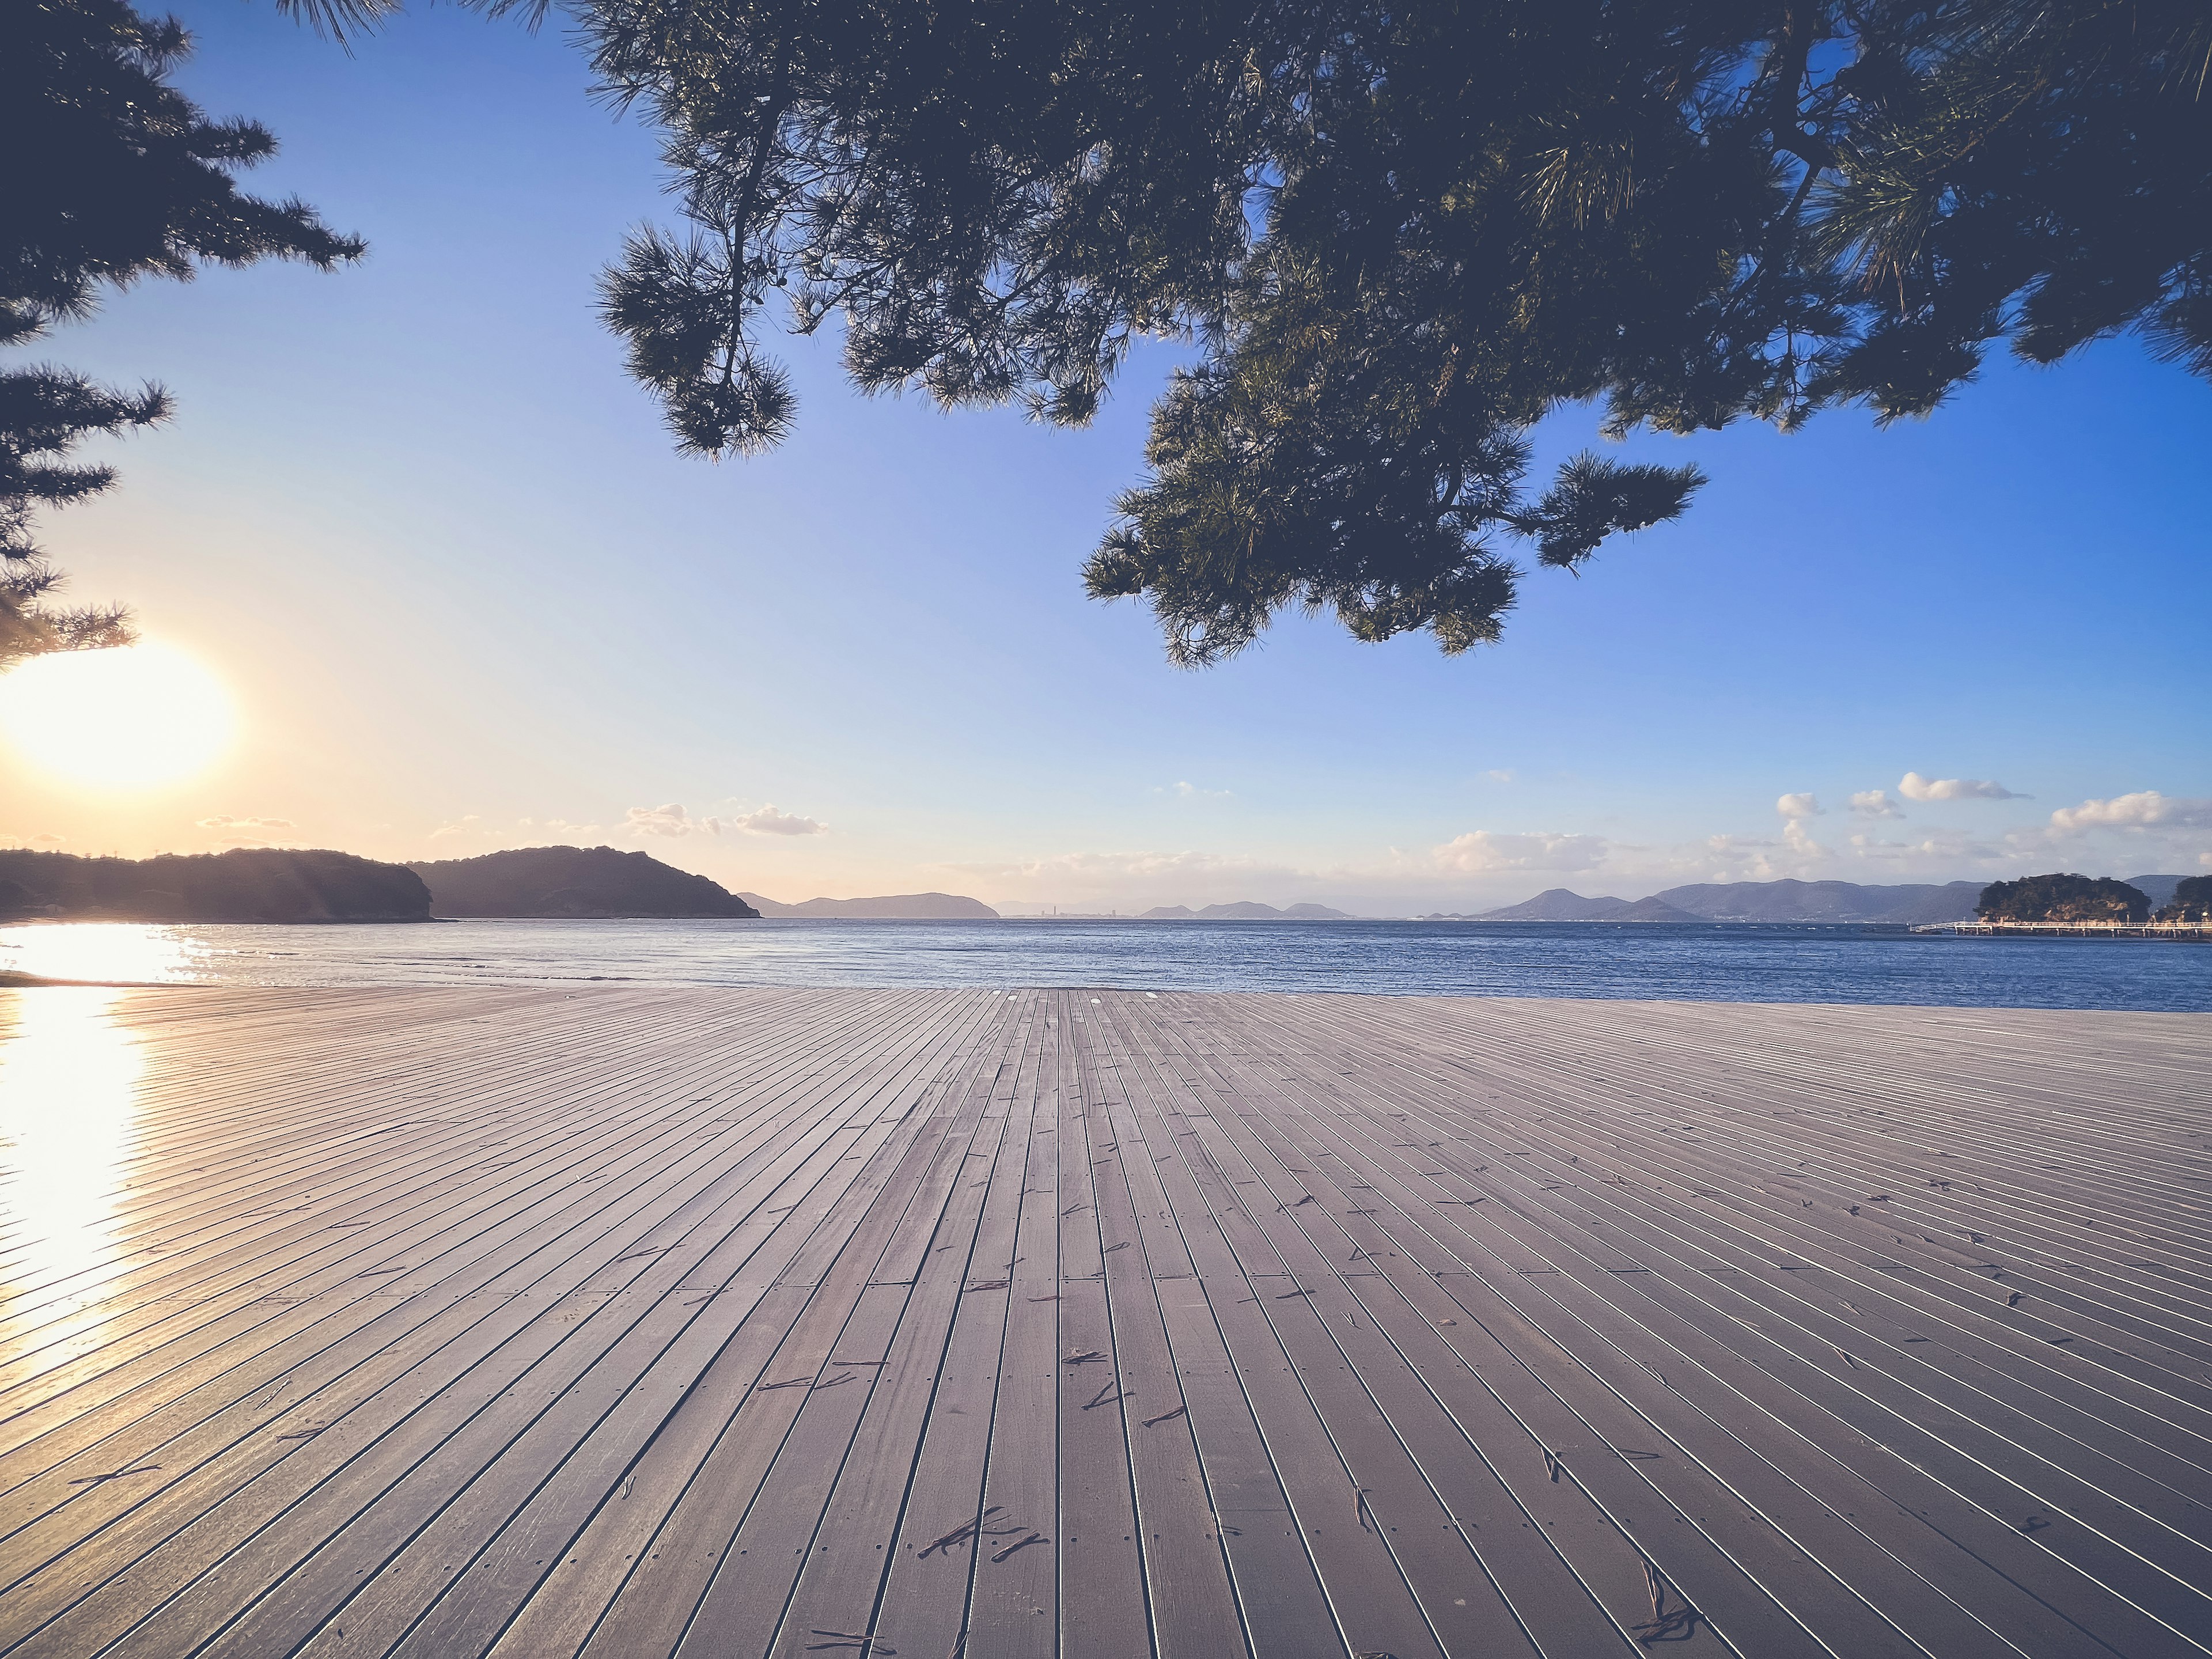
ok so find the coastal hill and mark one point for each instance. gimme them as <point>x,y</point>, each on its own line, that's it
<point>1243,910</point>
<point>593,881</point>
<point>2063,897</point>
<point>2159,890</point>
<point>898,907</point>
<point>245,884</point>
<point>1557,904</point>
<point>1826,900</point>
<point>1904,904</point>
<point>1757,901</point>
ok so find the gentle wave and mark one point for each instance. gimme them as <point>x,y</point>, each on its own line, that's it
<point>1808,963</point>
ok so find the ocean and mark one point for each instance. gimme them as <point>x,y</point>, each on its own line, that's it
<point>1779,963</point>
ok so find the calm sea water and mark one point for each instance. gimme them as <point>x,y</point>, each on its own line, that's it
<point>1774,963</point>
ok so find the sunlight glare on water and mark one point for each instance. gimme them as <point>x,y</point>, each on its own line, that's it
<point>131,952</point>
<point>68,1102</point>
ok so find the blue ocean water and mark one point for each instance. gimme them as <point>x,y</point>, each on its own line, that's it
<point>1707,963</point>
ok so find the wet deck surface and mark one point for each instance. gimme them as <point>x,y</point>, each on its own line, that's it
<point>750,1322</point>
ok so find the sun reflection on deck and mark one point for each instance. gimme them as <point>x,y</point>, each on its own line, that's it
<point>68,1102</point>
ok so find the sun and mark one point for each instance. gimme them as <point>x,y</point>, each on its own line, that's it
<point>126,719</point>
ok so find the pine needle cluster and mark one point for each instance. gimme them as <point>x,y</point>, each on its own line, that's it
<point>1399,237</point>
<point>113,176</point>
<point>1396,237</point>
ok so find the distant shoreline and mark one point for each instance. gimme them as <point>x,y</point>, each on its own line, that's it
<point>108,918</point>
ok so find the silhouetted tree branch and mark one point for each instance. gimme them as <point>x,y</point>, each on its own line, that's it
<point>1399,237</point>
<point>113,175</point>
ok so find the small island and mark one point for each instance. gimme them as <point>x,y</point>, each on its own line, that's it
<point>2191,901</point>
<point>892,907</point>
<point>1243,910</point>
<point>2061,897</point>
<point>2063,904</point>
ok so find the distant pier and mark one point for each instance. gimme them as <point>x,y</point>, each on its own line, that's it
<point>2198,931</point>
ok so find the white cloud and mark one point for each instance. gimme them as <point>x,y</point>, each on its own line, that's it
<point>1874,804</point>
<point>1799,840</point>
<point>1794,807</point>
<point>668,820</point>
<point>672,820</point>
<point>538,828</point>
<point>1913,787</point>
<point>2144,809</point>
<point>1092,869</point>
<point>1500,775</point>
<point>1484,867</point>
<point>526,832</point>
<point>42,841</point>
<point>1134,880</point>
<point>769,822</point>
<point>1929,857</point>
<point>1185,790</point>
<point>1483,849</point>
<point>246,832</point>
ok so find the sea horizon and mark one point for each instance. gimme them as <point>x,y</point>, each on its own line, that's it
<point>1851,962</point>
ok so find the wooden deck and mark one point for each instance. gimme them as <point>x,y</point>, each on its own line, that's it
<point>963,1325</point>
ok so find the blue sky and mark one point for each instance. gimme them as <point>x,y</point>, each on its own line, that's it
<point>465,595</point>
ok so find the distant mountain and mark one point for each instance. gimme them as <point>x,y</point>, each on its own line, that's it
<point>900,907</point>
<point>1758,900</point>
<point>582,882</point>
<point>247,885</point>
<point>1244,910</point>
<point>1556,904</point>
<point>1654,908</point>
<point>1826,900</point>
<point>2159,890</point>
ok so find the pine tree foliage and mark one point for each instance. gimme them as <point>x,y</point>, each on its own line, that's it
<point>2192,901</point>
<point>1399,237</point>
<point>112,175</point>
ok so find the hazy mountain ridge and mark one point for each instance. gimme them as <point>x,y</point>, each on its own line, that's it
<point>2159,890</point>
<point>1788,900</point>
<point>1243,910</point>
<point>1826,900</point>
<point>1559,904</point>
<point>245,884</point>
<point>897,907</point>
<point>1552,904</point>
<point>586,883</point>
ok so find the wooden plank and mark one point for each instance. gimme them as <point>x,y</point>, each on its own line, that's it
<point>505,1304</point>
<point>1327,1326</point>
<point>1896,1584</point>
<point>1222,1563</point>
<point>1104,1610</point>
<point>1415,1472</point>
<point>745,1606</point>
<point>656,1602</point>
<point>945,1533</point>
<point>1013,1606</point>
